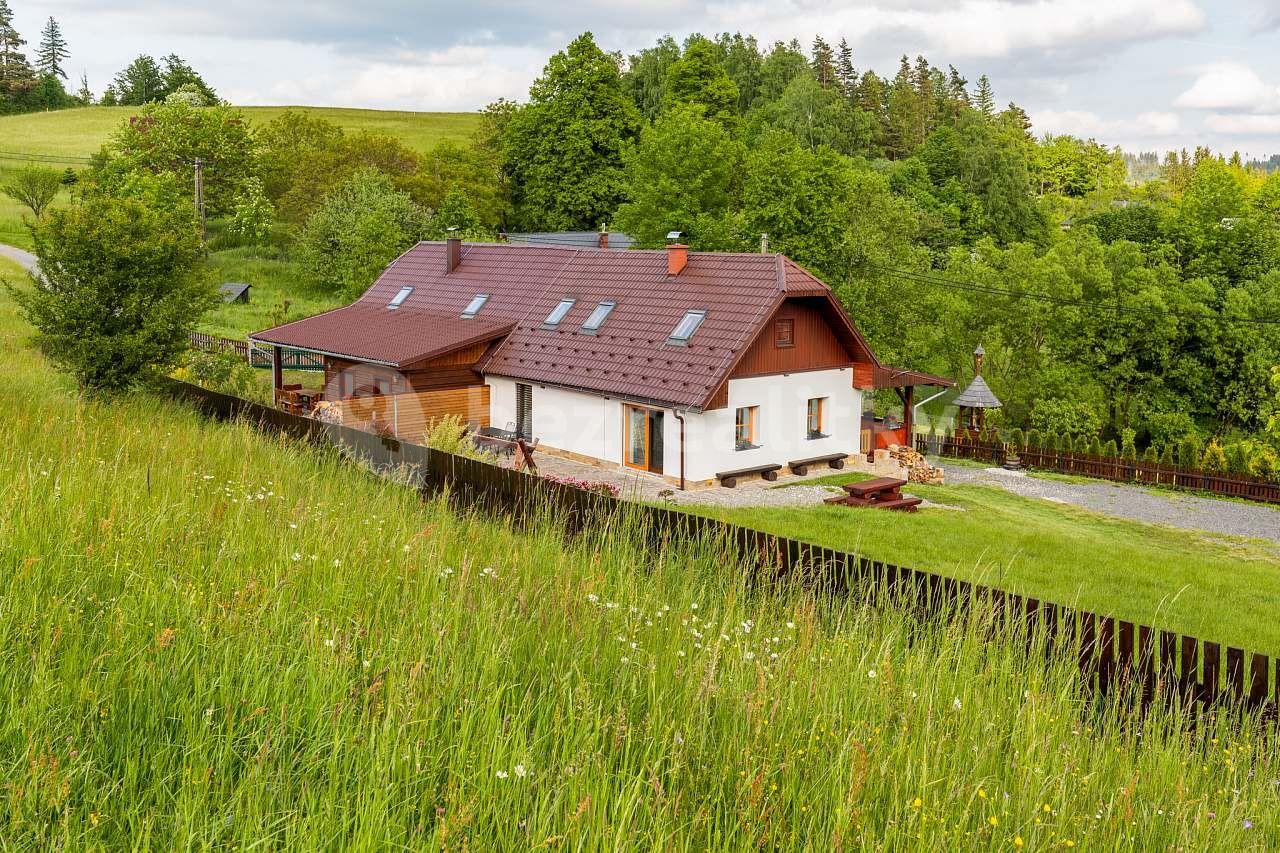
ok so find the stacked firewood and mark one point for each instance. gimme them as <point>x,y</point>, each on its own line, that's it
<point>918,470</point>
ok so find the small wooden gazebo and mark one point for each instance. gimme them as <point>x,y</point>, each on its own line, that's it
<point>978,397</point>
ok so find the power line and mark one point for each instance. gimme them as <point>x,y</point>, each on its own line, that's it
<point>991,290</point>
<point>45,158</point>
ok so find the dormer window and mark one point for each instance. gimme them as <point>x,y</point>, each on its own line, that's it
<point>597,318</point>
<point>399,298</point>
<point>476,304</point>
<point>558,313</point>
<point>685,329</point>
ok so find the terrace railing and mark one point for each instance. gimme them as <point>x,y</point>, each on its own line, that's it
<point>1108,468</point>
<point>1114,656</point>
<point>291,359</point>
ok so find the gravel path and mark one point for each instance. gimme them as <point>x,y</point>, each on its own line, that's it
<point>1190,512</point>
<point>25,259</point>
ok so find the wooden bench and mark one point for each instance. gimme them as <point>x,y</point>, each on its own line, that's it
<point>832,460</point>
<point>729,479</point>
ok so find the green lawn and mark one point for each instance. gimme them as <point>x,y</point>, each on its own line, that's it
<point>280,292</point>
<point>216,639</point>
<point>80,132</point>
<point>1217,588</point>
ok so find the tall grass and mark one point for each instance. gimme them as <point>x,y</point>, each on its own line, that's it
<point>213,638</point>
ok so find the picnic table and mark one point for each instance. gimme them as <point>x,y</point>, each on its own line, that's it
<point>880,493</point>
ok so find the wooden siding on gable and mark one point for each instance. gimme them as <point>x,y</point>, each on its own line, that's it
<point>366,379</point>
<point>815,346</point>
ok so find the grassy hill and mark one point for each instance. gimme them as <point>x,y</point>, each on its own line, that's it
<point>80,132</point>
<point>217,639</point>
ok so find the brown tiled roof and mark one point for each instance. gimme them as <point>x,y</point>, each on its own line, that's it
<point>363,332</point>
<point>629,357</point>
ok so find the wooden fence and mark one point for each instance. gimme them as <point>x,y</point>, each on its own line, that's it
<point>292,359</point>
<point>1114,656</point>
<point>1108,468</point>
<point>410,415</point>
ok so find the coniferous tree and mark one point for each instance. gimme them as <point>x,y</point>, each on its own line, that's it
<point>846,74</point>
<point>16,76</point>
<point>984,99</point>
<point>823,62</point>
<point>905,114</point>
<point>52,51</point>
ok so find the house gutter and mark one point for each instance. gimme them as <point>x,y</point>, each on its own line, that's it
<point>680,418</point>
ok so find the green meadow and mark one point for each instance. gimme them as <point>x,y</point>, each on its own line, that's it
<point>80,132</point>
<point>214,638</point>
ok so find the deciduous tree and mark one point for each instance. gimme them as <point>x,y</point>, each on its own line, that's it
<point>121,284</point>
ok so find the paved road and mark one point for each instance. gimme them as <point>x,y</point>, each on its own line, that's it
<point>1176,509</point>
<point>25,259</point>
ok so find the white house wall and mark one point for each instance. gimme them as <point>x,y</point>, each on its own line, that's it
<point>592,426</point>
<point>781,425</point>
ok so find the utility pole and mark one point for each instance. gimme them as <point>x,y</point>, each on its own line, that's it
<point>200,195</point>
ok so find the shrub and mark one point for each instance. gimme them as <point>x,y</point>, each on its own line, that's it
<point>122,285</point>
<point>224,372</point>
<point>1238,455</point>
<point>450,434</point>
<point>1166,456</point>
<point>35,187</point>
<point>1065,444</point>
<point>1190,451</point>
<point>1065,416</point>
<point>1109,450</point>
<point>1214,459</point>
<point>1017,439</point>
<point>1128,449</point>
<point>359,229</point>
<point>1034,439</point>
<point>1151,455</point>
<point>1095,447</point>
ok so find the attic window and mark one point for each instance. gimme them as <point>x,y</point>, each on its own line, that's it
<point>598,316</point>
<point>557,313</point>
<point>399,298</point>
<point>784,333</point>
<point>686,327</point>
<point>476,304</point>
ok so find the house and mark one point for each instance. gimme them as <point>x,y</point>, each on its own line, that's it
<point>686,365</point>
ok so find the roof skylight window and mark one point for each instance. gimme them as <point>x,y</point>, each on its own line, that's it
<point>476,304</point>
<point>598,316</point>
<point>557,313</point>
<point>399,298</point>
<point>685,329</point>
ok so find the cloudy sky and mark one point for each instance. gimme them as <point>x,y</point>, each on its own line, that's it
<point>1145,74</point>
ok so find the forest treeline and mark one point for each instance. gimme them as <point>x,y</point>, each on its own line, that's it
<point>940,219</point>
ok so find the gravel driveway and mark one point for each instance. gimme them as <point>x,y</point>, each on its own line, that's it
<point>25,259</point>
<point>1176,509</point>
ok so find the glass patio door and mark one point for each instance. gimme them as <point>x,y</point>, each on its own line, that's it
<point>643,439</point>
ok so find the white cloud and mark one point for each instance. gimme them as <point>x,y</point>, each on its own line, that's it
<point>1230,86</point>
<point>1148,126</point>
<point>1244,125</point>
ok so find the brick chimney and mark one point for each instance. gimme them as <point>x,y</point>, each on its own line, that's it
<point>452,254</point>
<point>602,240</point>
<point>677,257</point>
